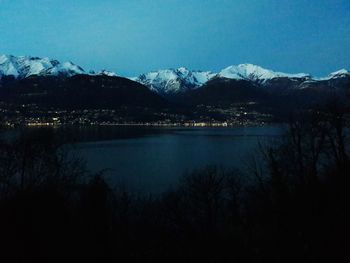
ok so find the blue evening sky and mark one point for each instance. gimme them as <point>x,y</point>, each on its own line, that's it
<point>136,36</point>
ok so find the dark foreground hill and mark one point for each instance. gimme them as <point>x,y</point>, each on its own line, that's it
<point>80,92</point>
<point>279,97</point>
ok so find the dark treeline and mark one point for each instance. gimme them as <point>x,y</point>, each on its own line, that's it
<point>289,205</point>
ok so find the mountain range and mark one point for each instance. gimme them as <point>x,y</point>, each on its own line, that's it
<point>166,81</point>
<point>174,81</point>
<point>25,66</point>
<point>49,83</point>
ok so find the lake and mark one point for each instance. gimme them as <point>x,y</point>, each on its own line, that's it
<point>153,159</point>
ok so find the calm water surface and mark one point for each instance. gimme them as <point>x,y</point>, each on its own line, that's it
<point>153,159</point>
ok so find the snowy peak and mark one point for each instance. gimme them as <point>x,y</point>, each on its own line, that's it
<point>25,66</point>
<point>339,74</point>
<point>178,80</point>
<point>107,73</point>
<point>162,81</point>
<point>255,73</point>
<point>195,78</point>
<point>8,66</point>
<point>66,69</point>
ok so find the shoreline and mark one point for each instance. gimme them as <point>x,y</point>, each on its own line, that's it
<point>156,125</point>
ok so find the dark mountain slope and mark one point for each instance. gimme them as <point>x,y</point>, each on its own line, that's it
<point>80,91</point>
<point>223,92</point>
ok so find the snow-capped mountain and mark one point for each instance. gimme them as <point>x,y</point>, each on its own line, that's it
<point>25,66</point>
<point>337,74</point>
<point>256,73</point>
<point>172,81</point>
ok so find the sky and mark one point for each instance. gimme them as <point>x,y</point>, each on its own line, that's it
<point>132,37</point>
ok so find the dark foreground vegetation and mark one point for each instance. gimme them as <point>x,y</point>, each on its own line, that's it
<point>289,205</point>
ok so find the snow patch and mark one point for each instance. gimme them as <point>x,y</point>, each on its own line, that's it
<point>107,73</point>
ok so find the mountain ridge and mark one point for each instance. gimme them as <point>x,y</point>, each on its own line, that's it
<point>26,66</point>
<point>166,82</point>
<point>160,82</point>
